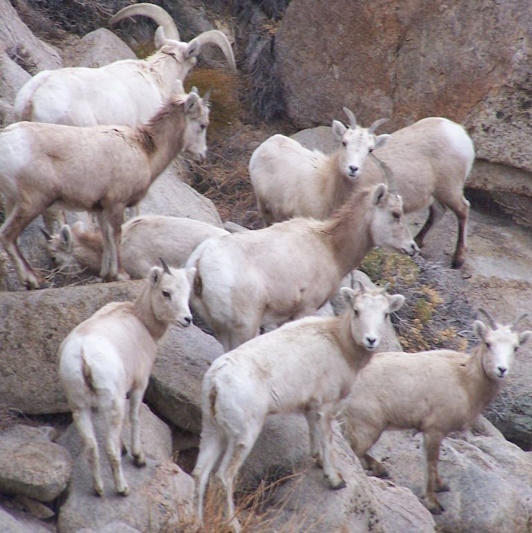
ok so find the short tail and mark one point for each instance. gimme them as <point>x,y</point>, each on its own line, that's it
<point>87,373</point>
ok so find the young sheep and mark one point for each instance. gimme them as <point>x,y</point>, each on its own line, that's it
<point>144,240</point>
<point>291,181</point>
<point>435,392</point>
<point>102,169</point>
<point>111,354</point>
<point>428,164</point>
<point>306,366</point>
<point>289,270</point>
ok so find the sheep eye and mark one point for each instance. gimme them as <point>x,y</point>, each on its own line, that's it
<point>488,346</point>
<point>203,126</point>
<point>355,312</point>
<point>386,315</point>
<point>371,150</point>
<point>344,144</point>
<point>516,348</point>
<point>396,216</point>
<point>167,295</point>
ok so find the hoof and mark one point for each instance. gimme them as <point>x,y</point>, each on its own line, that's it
<point>123,492</point>
<point>139,460</point>
<point>435,508</point>
<point>98,491</point>
<point>443,487</point>
<point>337,484</point>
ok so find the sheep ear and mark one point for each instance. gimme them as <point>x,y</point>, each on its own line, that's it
<point>396,301</point>
<point>524,337</point>
<point>348,295</point>
<point>154,276</point>
<point>381,140</point>
<point>159,37</point>
<point>338,129</point>
<point>191,103</point>
<point>380,190</point>
<point>193,49</point>
<point>65,236</point>
<point>480,330</point>
<point>191,274</point>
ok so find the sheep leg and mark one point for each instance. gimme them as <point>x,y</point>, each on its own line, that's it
<point>325,433</point>
<point>135,401</point>
<point>16,221</point>
<point>211,448</point>
<point>115,418</point>
<point>316,452</point>
<point>110,222</point>
<point>434,483</point>
<point>436,212</point>
<point>462,214</point>
<point>54,218</point>
<point>82,421</point>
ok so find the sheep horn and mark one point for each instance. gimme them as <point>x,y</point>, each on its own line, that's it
<point>156,13</point>
<point>361,285</point>
<point>217,38</point>
<point>165,266</point>
<point>492,323</point>
<point>517,320</point>
<point>377,123</point>
<point>47,236</point>
<point>351,117</point>
<point>388,174</point>
<point>385,288</point>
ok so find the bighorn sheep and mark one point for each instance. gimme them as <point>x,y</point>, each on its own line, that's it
<point>291,181</point>
<point>144,240</point>
<point>102,169</point>
<point>127,92</point>
<point>287,271</point>
<point>111,354</point>
<point>435,392</point>
<point>428,164</point>
<point>305,366</point>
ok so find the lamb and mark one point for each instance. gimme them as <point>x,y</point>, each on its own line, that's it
<point>427,164</point>
<point>144,240</point>
<point>305,366</point>
<point>127,92</point>
<point>101,169</point>
<point>111,354</point>
<point>289,270</point>
<point>435,392</point>
<point>291,181</point>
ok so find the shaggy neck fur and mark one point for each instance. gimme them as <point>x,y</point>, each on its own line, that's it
<point>89,251</point>
<point>143,310</point>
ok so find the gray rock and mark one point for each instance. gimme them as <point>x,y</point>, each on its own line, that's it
<point>12,523</point>
<point>12,76</point>
<point>161,493</point>
<point>31,465</point>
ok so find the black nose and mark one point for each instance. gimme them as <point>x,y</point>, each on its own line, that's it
<point>352,169</point>
<point>188,320</point>
<point>371,341</point>
<point>502,370</point>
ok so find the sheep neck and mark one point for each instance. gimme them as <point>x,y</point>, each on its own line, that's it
<point>480,388</point>
<point>356,355</point>
<point>347,232</point>
<point>162,137</point>
<point>89,250</point>
<point>143,310</point>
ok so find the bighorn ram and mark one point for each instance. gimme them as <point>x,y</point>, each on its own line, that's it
<point>305,366</point>
<point>101,169</point>
<point>291,181</point>
<point>144,240</point>
<point>127,92</point>
<point>289,270</point>
<point>111,354</point>
<point>435,392</point>
<point>427,164</point>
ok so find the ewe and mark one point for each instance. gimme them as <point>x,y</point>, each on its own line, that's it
<point>144,240</point>
<point>289,270</point>
<point>427,164</point>
<point>305,366</point>
<point>102,169</point>
<point>434,392</point>
<point>111,354</point>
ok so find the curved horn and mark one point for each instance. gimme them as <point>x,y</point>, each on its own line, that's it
<point>388,174</point>
<point>47,236</point>
<point>385,288</point>
<point>156,13</point>
<point>492,323</point>
<point>216,38</point>
<point>517,320</point>
<point>377,123</point>
<point>165,266</point>
<point>360,285</point>
<point>351,117</point>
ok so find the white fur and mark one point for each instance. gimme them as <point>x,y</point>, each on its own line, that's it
<point>435,392</point>
<point>111,354</point>
<point>306,366</point>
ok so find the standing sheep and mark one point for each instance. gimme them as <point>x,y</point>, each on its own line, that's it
<point>101,169</point>
<point>289,270</point>
<point>144,240</point>
<point>111,354</point>
<point>306,366</point>
<point>434,392</point>
<point>428,164</point>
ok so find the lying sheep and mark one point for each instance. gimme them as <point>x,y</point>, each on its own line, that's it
<point>289,270</point>
<point>291,181</point>
<point>306,366</point>
<point>427,163</point>
<point>102,169</point>
<point>435,392</point>
<point>111,354</point>
<point>144,240</point>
